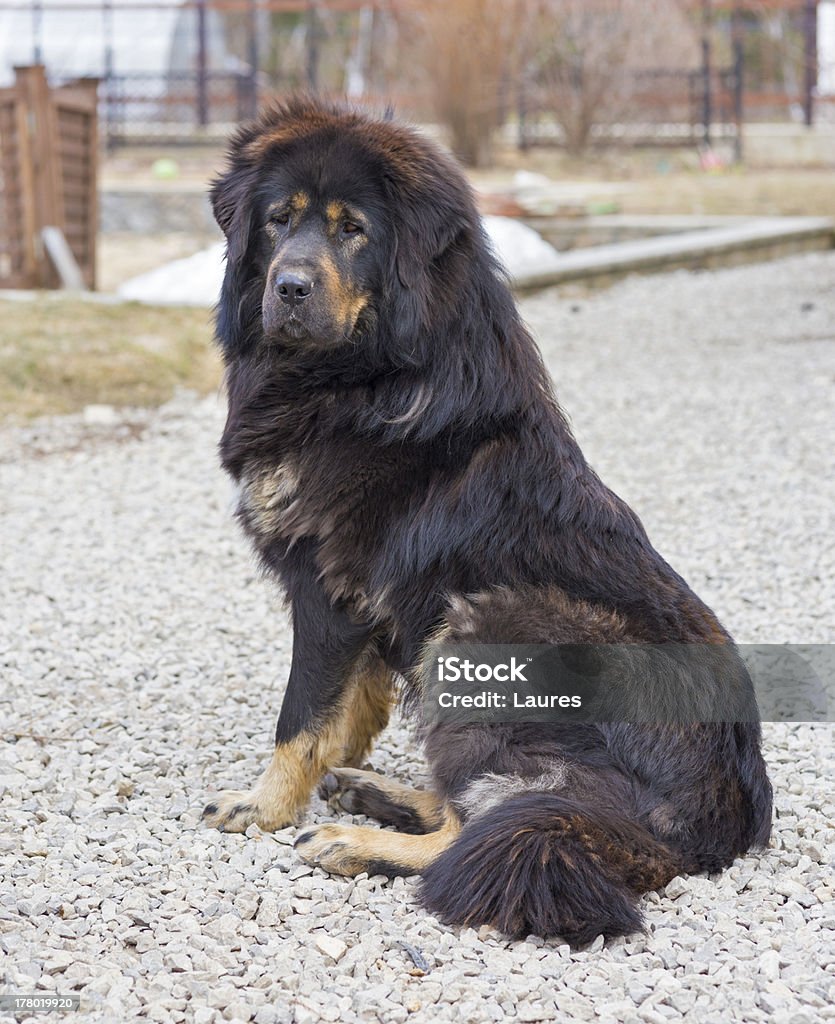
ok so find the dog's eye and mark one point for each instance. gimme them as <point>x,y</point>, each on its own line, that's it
<point>280,218</point>
<point>351,227</point>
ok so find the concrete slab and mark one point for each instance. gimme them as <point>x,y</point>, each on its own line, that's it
<point>750,241</point>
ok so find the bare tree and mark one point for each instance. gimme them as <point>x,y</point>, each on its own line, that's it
<point>468,52</point>
<point>585,55</point>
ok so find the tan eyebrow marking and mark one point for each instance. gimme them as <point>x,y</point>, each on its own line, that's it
<point>337,211</point>
<point>334,211</point>
<point>297,203</point>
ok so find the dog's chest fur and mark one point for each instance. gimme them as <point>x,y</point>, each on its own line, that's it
<point>334,501</point>
<point>269,502</point>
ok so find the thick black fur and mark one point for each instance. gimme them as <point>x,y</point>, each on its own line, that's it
<point>534,867</point>
<point>432,462</point>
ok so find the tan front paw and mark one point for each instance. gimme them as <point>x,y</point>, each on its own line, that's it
<point>235,810</point>
<point>330,848</point>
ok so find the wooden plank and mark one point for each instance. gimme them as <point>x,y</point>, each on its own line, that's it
<point>91,88</point>
<point>78,234</point>
<point>76,187</point>
<point>76,171</point>
<point>42,145</point>
<point>74,130</point>
<point>75,110</point>
<point>76,184</point>
<point>77,152</point>
<point>77,106</point>
<point>29,262</point>
<point>77,155</point>
<point>79,220</point>
<point>78,99</point>
<point>11,218</point>
<point>77,230</point>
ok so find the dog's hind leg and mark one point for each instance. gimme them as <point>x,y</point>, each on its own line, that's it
<point>414,811</point>
<point>351,849</point>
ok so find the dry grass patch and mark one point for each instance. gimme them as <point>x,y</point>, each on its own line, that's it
<point>743,193</point>
<point>58,354</point>
<point>653,181</point>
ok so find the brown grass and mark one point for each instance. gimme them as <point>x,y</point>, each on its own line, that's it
<point>658,181</point>
<point>58,354</point>
<point>745,193</point>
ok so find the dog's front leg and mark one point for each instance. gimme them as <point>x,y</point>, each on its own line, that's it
<point>331,653</point>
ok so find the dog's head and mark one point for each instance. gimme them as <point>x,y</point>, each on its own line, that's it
<point>336,221</point>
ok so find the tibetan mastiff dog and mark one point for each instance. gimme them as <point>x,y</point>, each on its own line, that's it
<point>406,474</point>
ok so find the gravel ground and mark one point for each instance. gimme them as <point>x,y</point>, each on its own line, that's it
<point>144,659</point>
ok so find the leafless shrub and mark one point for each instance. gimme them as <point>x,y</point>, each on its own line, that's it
<point>468,52</point>
<point>585,54</point>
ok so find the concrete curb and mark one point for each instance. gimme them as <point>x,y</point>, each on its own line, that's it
<point>763,238</point>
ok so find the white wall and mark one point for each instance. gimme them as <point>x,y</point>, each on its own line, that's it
<point>73,40</point>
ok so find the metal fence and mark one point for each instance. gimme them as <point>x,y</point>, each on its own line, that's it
<point>184,70</point>
<point>142,107</point>
<point>214,61</point>
<point>667,107</point>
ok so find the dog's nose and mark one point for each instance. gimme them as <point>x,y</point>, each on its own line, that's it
<point>293,287</point>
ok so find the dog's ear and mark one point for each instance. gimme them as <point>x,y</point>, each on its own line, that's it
<point>222,196</point>
<point>434,210</point>
<point>232,199</point>
<point>423,236</point>
<point>232,192</point>
<point>435,228</point>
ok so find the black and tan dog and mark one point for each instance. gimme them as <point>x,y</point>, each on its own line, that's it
<point>407,475</point>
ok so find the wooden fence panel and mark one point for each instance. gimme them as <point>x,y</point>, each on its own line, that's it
<point>48,173</point>
<point>77,125</point>
<point>17,257</point>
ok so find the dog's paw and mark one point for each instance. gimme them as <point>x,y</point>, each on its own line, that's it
<point>231,811</point>
<point>343,789</point>
<point>413,811</point>
<point>331,847</point>
<point>235,810</point>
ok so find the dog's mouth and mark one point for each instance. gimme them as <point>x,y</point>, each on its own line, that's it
<point>309,326</point>
<point>286,326</point>
<point>293,328</point>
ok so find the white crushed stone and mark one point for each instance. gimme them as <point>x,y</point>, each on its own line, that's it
<point>196,280</point>
<point>142,660</point>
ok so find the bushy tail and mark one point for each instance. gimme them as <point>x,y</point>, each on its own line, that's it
<point>540,864</point>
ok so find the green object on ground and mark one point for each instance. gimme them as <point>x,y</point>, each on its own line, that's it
<point>165,168</point>
<point>603,207</point>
